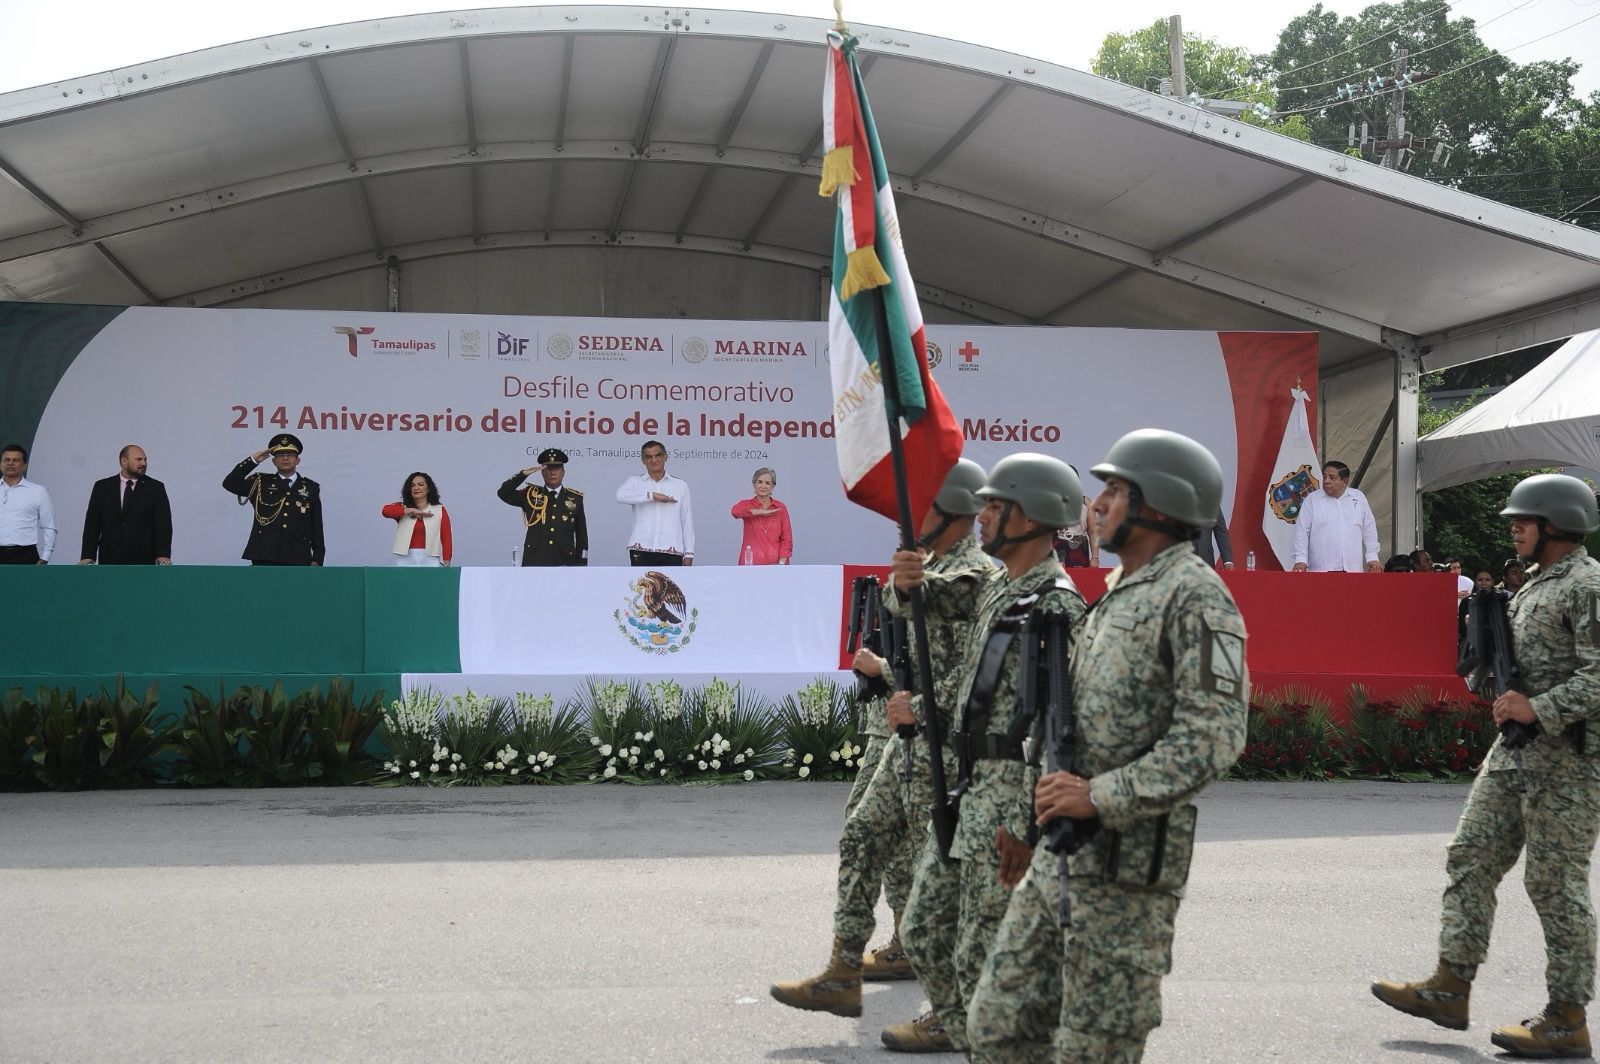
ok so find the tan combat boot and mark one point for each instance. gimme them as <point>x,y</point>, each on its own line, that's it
<point>1559,1031</point>
<point>1442,998</point>
<point>836,990</point>
<point>925,1034</point>
<point>888,962</point>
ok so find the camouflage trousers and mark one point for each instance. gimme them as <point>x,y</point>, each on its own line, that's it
<point>866,765</point>
<point>928,932</point>
<point>884,831</point>
<point>983,906</point>
<point>1113,959</point>
<point>1556,821</point>
<point>1013,1013</point>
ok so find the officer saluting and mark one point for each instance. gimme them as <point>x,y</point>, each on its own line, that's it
<point>558,534</point>
<point>287,507</point>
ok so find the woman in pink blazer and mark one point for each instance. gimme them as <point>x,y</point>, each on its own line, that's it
<point>768,539</point>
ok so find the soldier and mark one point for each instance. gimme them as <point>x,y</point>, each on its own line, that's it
<point>287,506</point>
<point>558,533</point>
<point>955,910</point>
<point>1161,694</point>
<point>1555,638</point>
<point>887,827</point>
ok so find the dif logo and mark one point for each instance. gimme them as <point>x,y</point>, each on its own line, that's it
<point>511,347</point>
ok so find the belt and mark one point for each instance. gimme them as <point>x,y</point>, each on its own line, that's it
<point>986,747</point>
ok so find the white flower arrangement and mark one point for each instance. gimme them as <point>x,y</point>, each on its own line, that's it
<point>471,710</point>
<point>612,699</point>
<point>749,774</point>
<point>816,702</point>
<point>535,709</point>
<point>416,714</point>
<point>666,698</point>
<point>611,770</point>
<point>722,700</point>
<point>804,771</point>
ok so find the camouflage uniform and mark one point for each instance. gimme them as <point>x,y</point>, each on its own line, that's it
<point>883,836</point>
<point>1555,635</point>
<point>1014,1012</point>
<point>875,726</point>
<point>1161,691</point>
<point>1000,792</point>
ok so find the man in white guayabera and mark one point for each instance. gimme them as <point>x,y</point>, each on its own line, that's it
<point>663,523</point>
<point>1336,532</point>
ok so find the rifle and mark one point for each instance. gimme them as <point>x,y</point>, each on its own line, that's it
<point>1045,705</point>
<point>858,603</point>
<point>1488,645</point>
<point>899,655</point>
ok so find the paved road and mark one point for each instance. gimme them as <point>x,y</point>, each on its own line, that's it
<point>643,924</point>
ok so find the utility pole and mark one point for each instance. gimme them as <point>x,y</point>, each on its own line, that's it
<point>1397,114</point>
<point>1180,88</point>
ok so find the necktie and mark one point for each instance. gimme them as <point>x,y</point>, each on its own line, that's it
<point>127,490</point>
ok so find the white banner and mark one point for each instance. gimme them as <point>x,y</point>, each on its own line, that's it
<point>616,621</point>
<point>471,400</point>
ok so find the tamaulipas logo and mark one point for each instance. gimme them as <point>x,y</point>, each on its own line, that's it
<point>1290,490</point>
<point>350,332</point>
<point>655,616</point>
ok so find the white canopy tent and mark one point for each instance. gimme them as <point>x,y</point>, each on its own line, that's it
<point>1549,417</point>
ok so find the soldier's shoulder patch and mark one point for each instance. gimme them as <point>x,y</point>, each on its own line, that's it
<point>1222,652</point>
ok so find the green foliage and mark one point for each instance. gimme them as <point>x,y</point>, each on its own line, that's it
<point>132,742</point>
<point>620,719</point>
<point>1291,734</point>
<point>410,731</point>
<point>68,744</point>
<point>1212,69</point>
<point>210,742</point>
<point>821,728</point>
<point>1517,132</point>
<point>16,741</point>
<point>554,744</point>
<point>734,735</point>
<point>341,730</point>
<point>276,736</point>
<point>471,732</point>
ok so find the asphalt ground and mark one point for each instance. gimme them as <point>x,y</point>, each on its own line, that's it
<point>618,923</point>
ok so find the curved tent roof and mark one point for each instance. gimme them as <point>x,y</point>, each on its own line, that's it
<point>1549,416</point>
<point>1028,192</point>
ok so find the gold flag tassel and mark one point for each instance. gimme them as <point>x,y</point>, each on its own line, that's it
<point>838,168</point>
<point>862,271</point>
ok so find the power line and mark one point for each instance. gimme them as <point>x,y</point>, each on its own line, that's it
<point>1335,101</point>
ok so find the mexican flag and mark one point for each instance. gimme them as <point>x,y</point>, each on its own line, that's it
<point>873,316</point>
<point>1296,474</point>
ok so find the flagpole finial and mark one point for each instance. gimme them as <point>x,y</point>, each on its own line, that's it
<point>1297,379</point>
<point>838,11</point>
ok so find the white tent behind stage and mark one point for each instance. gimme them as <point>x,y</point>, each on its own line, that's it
<point>1548,417</point>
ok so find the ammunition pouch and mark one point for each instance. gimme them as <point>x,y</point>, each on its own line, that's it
<point>985,747</point>
<point>1154,854</point>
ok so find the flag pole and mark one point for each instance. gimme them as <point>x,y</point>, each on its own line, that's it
<point>944,821</point>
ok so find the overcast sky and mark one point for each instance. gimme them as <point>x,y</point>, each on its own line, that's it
<point>46,42</point>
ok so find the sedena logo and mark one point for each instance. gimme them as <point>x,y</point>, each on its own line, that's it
<point>350,332</point>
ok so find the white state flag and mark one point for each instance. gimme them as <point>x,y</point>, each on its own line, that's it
<point>1296,474</point>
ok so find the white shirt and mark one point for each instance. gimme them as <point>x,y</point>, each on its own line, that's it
<point>26,517</point>
<point>1335,535</point>
<point>661,526</point>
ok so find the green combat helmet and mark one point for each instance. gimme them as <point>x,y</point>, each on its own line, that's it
<point>1046,489</point>
<point>957,498</point>
<point>1171,472</point>
<point>1565,507</point>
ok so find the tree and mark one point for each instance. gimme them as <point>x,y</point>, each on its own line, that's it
<point>1464,521</point>
<point>1212,69</point>
<point>1515,133</point>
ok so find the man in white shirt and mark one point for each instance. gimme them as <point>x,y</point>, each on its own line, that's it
<point>27,520</point>
<point>1335,531</point>
<point>663,524</point>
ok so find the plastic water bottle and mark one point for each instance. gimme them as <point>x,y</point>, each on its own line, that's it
<point>749,556</point>
<point>1250,562</point>
<point>516,555</point>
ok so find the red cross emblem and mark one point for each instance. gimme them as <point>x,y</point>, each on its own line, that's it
<point>968,352</point>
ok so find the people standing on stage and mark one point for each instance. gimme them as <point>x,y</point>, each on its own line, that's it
<point>1077,546</point>
<point>558,532</point>
<point>1161,694</point>
<point>129,519</point>
<point>1336,532</point>
<point>1538,798</point>
<point>1218,533</point>
<point>286,507</point>
<point>27,520</point>
<point>663,523</point>
<point>422,525</point>
<point>768,536</point>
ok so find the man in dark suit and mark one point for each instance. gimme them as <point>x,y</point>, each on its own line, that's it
<point>558,532</point>
<point>129,520</point>
<point>1224,550</point>
<point>286,507</point>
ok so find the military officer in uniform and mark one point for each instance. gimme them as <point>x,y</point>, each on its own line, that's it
<point>1554,623</point>
<point>1161,695</point>
<point>558,534</point>
<point>286,507</point>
